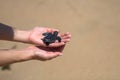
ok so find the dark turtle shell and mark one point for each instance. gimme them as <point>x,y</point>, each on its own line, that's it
<point>51,38</point>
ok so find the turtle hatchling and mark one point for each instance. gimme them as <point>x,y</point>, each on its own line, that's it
<point>50,37</point>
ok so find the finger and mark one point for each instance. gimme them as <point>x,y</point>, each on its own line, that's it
<point>65,40</point>
<point>57,44</point>
<point>65,34</point>
<point>53,55</point>
<point>66,37</point>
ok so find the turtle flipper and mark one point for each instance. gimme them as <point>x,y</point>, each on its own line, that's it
<point>59,39</point>
<point>46,34</point>
<point>47,43</point>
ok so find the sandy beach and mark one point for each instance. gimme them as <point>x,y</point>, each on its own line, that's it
<point>93,52</point>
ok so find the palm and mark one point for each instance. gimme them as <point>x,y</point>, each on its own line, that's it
<point>36,35</point>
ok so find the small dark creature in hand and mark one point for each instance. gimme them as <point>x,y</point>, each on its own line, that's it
<point>51,38</point>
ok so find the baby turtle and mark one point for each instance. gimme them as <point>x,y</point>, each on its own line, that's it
<point>51,37</point>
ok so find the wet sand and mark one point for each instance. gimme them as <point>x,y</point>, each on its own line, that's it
<point>94,50</point>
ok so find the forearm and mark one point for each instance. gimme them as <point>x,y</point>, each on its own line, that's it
<point>21,36</point>
<point>13,56</point>
<point>11,34</point>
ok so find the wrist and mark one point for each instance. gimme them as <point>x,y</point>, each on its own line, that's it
<point>21,36</point>
<point>23,55</point>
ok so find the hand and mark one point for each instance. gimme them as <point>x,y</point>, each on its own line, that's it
<point>32,52</point>
<point>45,53</point>
<point>36,36</point>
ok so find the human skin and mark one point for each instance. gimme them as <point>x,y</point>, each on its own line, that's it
<point>29,53</point>
<point>37,52</point>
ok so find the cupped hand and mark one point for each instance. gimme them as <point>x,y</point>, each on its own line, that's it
<point>45,53</point>
<point>36,36</point>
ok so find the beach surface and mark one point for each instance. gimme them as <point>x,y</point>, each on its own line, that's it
<point>93,52</point>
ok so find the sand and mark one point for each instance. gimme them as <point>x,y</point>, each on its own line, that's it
<point>94,50</point>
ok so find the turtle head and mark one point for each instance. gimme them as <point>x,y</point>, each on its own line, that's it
<point>55,33</point>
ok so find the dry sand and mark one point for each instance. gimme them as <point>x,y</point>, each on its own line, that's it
<point>94,50</point>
